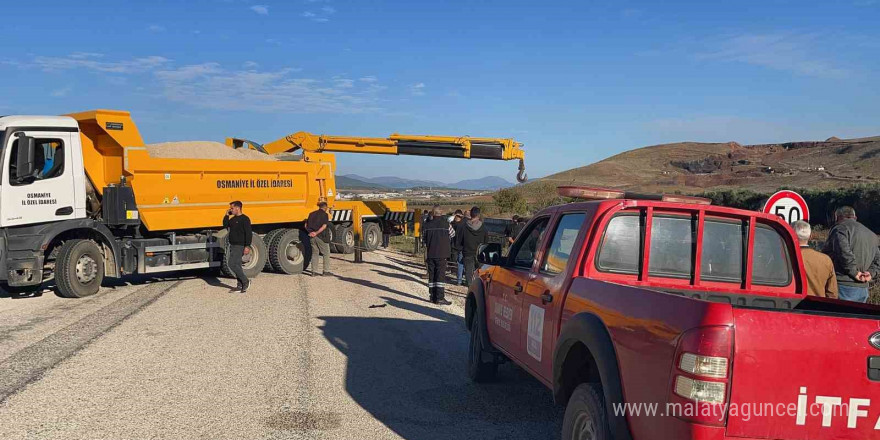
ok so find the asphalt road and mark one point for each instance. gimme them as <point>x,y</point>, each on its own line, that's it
<point>360,354</point>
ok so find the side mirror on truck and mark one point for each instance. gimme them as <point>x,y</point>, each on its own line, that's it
<point>24,159</point>
<point>490,254</point>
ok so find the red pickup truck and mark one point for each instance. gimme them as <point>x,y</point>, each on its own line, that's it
<point>673,319</point>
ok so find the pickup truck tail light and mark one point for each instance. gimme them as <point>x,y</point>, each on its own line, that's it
<point>701,376</point>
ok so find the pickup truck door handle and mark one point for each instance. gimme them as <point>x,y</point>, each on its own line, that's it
<point>546,298</point>
<point>517,288</point>
<point>67,210</point>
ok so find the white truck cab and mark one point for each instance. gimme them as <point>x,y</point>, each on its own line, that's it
<point>43,179</point>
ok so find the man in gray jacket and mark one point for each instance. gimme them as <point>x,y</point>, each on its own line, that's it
<point>854,250</point>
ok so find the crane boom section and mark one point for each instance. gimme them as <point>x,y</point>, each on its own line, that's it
<point>461,147</point>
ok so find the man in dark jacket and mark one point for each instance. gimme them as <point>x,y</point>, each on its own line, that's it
<point>239,239</point>
<point>319,237</point>
<point>436,235</point>
<point>472,236</point>
<point>853,249</point>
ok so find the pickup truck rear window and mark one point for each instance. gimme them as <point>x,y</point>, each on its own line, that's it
<point>722,251</point>
<point>621,245</point>
<point>770,264</point>
<point>672,242</point>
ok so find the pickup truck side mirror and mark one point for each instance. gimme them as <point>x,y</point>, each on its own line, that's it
<point>490,254</point>
<point>24,160</point>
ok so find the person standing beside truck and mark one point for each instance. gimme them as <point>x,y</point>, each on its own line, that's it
<point>472,236</point>
<point>319,237</point>
<point>239,238</point>
<point>853,249</point>
<point>436,235</point>
<point>821,280</point>
<point>455,256</point>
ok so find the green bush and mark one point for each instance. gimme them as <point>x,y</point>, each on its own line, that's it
<point>510,200</point>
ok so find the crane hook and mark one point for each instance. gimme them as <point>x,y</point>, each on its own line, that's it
<point>521,176</point>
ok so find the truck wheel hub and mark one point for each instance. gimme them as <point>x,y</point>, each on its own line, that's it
<point>292,252</point>
<point>584,427</point>
<point>86,269</point>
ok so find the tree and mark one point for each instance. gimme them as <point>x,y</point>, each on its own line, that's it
<point>510,200</point>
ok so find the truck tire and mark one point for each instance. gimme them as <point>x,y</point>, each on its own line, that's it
<point>286,253</point>
<point>268,239</point>
<point>585,416</point>
<point>478,369</point>
<point>79,269</point>
<point>343,238</point>
<point>252,264</point>
<point>372,236</point>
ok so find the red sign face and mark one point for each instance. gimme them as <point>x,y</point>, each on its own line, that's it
<point>787,205</point>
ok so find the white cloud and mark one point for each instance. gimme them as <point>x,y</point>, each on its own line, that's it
<point>209,86</point>
<point>156,28</point>
<point>260,9</point>
<point>328,10</point>
<point>212,86</point>
<point>308,14</point>
<point>782,51</point>
<point>91,62</point>
<point>58,93</point>
<point>417,89</point>
<point>273,41</point>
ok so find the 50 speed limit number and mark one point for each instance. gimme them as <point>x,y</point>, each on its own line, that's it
<point>787,205</point>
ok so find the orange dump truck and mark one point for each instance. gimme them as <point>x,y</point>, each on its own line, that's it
<point>82,197</point>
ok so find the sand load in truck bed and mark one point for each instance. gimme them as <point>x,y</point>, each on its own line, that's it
<point>203,150</point>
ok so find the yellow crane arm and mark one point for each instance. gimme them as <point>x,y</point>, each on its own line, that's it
<point>462,147</point>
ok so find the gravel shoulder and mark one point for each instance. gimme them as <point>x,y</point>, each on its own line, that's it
<point>360,354</point>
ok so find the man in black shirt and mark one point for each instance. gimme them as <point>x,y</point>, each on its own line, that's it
<point>239,239</point>
<point>319,237</point>
<point>436,234</point>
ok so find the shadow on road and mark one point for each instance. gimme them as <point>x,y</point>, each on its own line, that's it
<point>410,375</point>
<point>382,287</point>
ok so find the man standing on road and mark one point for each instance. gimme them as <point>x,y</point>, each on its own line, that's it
<point>472,236</point>
<point>319,237</point>
<point>239,238</point>
<point>853,249</point>
<point>821,280</point>
<point>436,235</point>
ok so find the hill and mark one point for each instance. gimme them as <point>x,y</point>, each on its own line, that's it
<point>692,167</point>
<point>352,183</point>
<point>396,182</point>
<point>392,182</point>
<point>485,183</point>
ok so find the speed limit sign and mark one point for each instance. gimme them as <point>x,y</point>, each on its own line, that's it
<point>787,205</point>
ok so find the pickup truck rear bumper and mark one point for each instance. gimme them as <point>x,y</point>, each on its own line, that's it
<point>701,432</point>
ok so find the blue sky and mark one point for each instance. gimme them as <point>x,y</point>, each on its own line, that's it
<point>575,81</point>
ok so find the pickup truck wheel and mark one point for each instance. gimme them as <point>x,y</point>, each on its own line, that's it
<point>79,269</point>
<point>286,253</point>
<point>478,369</point>
<point>585,417</point>
<point>372,236</point>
